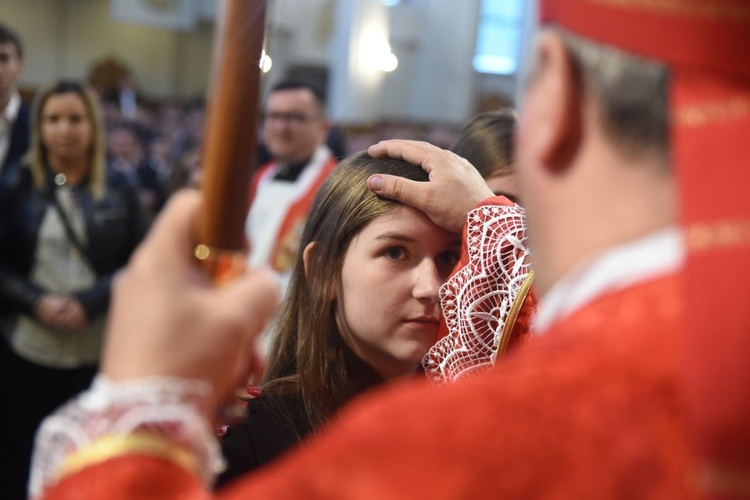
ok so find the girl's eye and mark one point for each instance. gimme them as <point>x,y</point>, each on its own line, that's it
<point>395,253</point>
<point>449,258</point>
<point>446,261</point>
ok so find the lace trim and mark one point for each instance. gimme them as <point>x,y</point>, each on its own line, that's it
<point>478,298</point>
<point>176,409</point>
<point>476,301</point>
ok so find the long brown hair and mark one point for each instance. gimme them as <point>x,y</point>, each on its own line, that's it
<point>37,158</point>
<point>487,142</point>
<point>309,355</point>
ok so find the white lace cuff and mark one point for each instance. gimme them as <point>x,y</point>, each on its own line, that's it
<point>478,298</point>
<point>175,409</point>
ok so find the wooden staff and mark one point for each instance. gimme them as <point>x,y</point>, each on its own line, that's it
<point>230,135</point>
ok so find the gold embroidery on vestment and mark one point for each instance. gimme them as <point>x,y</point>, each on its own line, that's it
<point>702,237</point>
<point>510,320</point>
<point>686,8</point>
<point>708,113</point>
<point>109,447</point>
<point>714,479</point>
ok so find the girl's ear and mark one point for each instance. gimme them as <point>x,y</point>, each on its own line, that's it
<point>306,256</point>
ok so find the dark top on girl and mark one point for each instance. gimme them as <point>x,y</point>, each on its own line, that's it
<point>362,309</point>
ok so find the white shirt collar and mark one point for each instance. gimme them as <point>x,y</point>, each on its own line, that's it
<point>7,117</point>
<point>657,254</point>
<point>11,110</point>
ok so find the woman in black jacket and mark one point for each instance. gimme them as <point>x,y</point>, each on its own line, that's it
<point>68,224</point>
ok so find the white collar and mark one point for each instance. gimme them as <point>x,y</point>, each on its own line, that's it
<point>11,109</point>
<point>657,254</point>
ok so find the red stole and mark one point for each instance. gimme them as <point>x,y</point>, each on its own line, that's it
<point>287,239</point>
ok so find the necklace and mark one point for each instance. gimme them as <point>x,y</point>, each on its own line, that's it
<point>60,179</point>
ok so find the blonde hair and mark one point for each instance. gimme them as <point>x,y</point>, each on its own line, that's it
<point>36,158</point>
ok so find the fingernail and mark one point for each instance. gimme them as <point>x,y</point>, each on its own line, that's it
<point>253,391</point>
<point>375,183</point>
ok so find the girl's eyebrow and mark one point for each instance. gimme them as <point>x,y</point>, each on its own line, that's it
<point>393,235</point>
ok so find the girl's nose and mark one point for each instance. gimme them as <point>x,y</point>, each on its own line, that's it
<point>427,281</point>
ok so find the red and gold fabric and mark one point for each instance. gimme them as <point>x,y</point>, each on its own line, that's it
<point>286,235</point>
<point>489,299</point>
<point>705,45</point>
<point>580,374</point>
<point>604,401</point>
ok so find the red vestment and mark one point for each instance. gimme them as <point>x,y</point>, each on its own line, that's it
<point>283,235</point>
<point>488,301</point>
<point>590,410</point>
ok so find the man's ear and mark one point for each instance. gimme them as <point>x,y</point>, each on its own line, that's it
<point>560,104</point>
<point>306,256</point>
<point>325,129</point>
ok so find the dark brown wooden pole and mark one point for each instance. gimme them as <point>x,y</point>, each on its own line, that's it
<point>230,137</point>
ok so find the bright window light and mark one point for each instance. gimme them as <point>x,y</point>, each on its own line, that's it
<point>498,37</point>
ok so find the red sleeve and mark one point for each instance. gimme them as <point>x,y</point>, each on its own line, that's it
<point>129,477</point>
<point>589,411</point>
<point>464,259</point>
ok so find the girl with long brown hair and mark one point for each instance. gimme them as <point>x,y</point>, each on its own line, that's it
<point>362,309</point>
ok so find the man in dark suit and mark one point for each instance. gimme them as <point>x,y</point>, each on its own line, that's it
<point>14,141</point>
<point>14,114</point>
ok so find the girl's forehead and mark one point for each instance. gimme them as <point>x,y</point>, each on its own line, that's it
<point>401,220</point>
<point>63,100</point>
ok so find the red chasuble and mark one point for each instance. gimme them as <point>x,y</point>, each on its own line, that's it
<point>592,409</point>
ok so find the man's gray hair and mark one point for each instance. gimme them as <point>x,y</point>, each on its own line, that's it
<point>631,93</point>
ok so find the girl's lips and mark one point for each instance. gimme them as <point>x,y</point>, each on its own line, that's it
<point>422,323</point>
<point>424,319</point>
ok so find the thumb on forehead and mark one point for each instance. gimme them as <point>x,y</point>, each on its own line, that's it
<point>397,188</point>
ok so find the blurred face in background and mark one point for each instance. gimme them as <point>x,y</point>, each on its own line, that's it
<point>11,67</point>
<point>125,147</point>
<point>294,125</point>
<point>67,129</point>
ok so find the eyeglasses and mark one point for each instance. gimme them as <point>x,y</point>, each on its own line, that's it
<point>291,118</point>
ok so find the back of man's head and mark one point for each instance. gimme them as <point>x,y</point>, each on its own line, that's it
<point>8,35</point>
<point>630,92</point>
<point>592,149</point>
<point>704,45</point>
